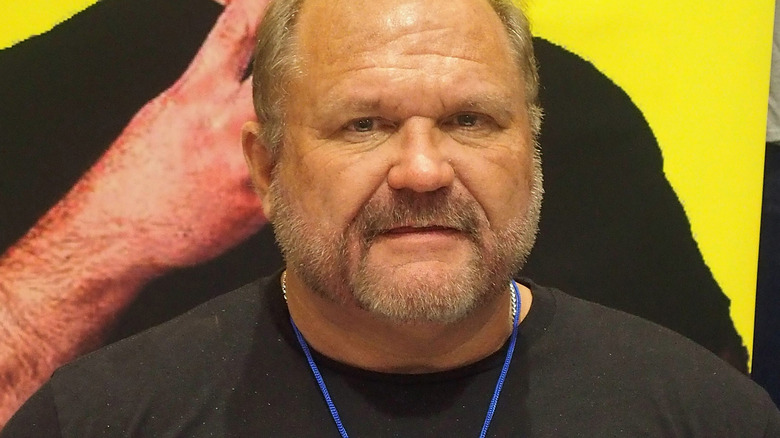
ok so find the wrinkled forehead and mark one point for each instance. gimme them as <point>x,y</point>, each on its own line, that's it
<point>331,31</point>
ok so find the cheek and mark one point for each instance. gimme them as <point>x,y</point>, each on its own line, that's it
<point>332,188</point>
<point>520,173</point>
<point>501,183</point>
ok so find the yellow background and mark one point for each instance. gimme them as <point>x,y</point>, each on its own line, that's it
<point>21,19</point>
<point>697,70</point>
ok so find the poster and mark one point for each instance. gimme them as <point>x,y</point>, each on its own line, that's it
<point>652,150</point>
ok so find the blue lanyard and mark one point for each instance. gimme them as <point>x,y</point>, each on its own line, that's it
<point>493,402</point>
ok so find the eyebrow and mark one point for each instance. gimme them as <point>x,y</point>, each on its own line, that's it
<point>352,105</point>
<point>497,105</point>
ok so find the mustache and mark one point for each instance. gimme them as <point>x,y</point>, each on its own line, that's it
<point>408,209</point>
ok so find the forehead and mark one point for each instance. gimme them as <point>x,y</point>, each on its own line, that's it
<point>335,35</point>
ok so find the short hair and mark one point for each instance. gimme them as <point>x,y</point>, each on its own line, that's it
<point>276,61</point>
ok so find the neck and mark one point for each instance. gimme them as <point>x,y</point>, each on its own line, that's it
<point>354,336</point>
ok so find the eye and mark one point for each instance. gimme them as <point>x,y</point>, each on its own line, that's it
<point>361,125</point>
<point>469,122</point>
<point>466,120</point>
<point>364,130</point>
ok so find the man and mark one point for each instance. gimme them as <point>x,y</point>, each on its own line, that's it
<point>153,229</point>
<point>396,158</point>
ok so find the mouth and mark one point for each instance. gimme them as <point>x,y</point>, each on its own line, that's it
<point>418,242</point>
<point>419,230</point>
<point>419,233</point>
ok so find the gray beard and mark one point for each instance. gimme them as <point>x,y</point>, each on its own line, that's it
<point>323,263</point>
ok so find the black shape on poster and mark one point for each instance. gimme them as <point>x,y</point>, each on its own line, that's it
<point>766,352</point>
<point>612,229</point>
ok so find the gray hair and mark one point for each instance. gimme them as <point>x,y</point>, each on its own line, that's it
<point>276,60</point>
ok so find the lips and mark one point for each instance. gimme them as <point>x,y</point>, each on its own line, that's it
<point>423,229</point>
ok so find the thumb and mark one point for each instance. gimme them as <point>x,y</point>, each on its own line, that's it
<point>228,47</point>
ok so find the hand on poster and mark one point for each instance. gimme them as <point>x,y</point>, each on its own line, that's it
<point>176,173</point>
<point>171,191</point>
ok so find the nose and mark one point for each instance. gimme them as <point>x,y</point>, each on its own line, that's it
<point>421,163</point>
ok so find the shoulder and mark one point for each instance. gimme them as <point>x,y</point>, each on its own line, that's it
<point>625,364</point>
<point>606,337</point>
<point>121,389</point>
<point>223,321</point>
<point>37,418</point>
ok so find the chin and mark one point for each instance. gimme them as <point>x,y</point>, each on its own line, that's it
<point>420,292</point>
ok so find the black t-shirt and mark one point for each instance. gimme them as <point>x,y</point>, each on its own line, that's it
<point>232,368</point>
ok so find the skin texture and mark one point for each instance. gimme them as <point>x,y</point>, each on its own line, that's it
<point>171,191</point>
<point>395,101</point>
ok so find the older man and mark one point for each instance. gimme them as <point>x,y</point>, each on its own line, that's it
<point>395,156</point>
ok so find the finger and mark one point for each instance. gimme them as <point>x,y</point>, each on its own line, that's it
<point>245,101</point>
<point>227,48</point>
<point>242,111</point>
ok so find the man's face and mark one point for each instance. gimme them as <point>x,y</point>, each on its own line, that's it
<point>407,182</point>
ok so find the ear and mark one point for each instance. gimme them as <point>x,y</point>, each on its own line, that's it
<point>260,163</point>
